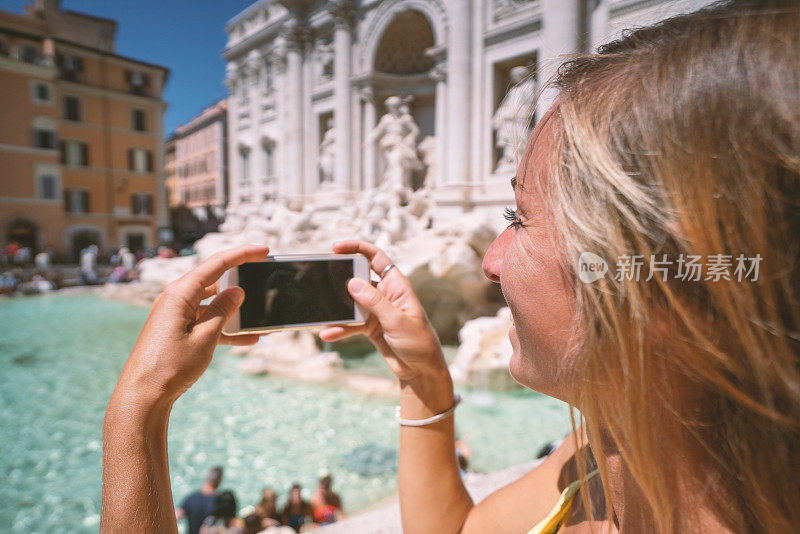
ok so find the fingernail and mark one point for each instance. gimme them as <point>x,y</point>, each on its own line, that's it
<point>356,285</point>
<point>238,297</point>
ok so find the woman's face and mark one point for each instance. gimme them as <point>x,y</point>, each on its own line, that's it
<point>524,261</point>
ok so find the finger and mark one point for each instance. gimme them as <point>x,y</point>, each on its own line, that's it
<point>220,310</point>
<point>244,340</point>
<point>373,300</point>
<point>208,272</point>
<point>335,333</point>
<point>378,259</point>
<point>211,290</point>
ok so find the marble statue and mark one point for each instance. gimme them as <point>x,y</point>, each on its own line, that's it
<point>325,57</point>
<point>327,153</point>
<point>512,119</point>
<point>396,134</point>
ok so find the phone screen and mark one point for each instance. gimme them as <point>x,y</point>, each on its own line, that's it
<point>280,293</point>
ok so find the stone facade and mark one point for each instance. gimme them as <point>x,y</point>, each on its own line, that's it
<point>299,68</point>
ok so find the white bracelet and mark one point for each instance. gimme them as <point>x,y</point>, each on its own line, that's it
<point>429,420</point>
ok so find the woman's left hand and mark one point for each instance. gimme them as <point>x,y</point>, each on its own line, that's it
<point>178,338</point>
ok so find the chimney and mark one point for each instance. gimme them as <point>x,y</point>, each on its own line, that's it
<point>40,6</point>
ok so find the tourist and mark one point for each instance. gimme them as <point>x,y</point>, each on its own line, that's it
<point>252,524</point>
<point>463,454</point>
<point>88,265</point>
<point>680,140</point>
<point>326,504</point>
<point>200,504</point>
<point>296,511</point>
<point>267,508</point>
<point>223,519</point>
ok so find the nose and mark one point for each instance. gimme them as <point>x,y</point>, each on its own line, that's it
<point>493,259</point>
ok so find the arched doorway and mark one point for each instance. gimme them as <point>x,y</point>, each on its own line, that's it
<point>24,232</point>
<point>402,67</point>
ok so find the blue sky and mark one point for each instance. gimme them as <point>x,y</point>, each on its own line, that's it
<point>185,36</point>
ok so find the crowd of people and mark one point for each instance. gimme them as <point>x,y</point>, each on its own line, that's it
<point>26,272</point>
<point>211,511</point>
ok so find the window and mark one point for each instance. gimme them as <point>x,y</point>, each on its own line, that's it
<point>72,108</point>
<point>243,99</point>
<point>71,67</point>
<point>29,53</point>
<point>75,153</point>
<point>76,200</point>
<point>44,138</point>
<point>139,120</point>
<point>48,187</point>
<point>244,155</point>
<point>268,77</point>
<point>41,93</point>
<point>142,204</point>
<point>138,82</point>
<point>140,160</point>
<point>269,161</point>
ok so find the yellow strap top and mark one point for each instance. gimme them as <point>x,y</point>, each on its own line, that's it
<point>560,513</point>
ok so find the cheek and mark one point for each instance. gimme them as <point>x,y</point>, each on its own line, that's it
<point>542,305</point>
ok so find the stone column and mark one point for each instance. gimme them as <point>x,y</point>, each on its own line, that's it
<point>342,11</point>
<point>560,36</point>
<point>252,68</point>
<point>458,93</point>
<point>278,59</point>
<point>439,73</point>
<point>370,121</point>
<point>598,20</point>
<point>294,109</point>
<point>310,134</point>
<point>231,82</point>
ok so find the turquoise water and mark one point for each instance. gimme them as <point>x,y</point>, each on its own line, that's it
<point>60,357</point>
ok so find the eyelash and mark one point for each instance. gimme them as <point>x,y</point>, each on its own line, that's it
<point>511,216</point>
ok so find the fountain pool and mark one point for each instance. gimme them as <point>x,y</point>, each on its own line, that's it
<point>60,357</point>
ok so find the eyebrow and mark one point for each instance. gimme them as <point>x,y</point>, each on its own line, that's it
<point>514,182</point>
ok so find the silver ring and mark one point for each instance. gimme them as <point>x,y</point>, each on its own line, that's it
<point>385,270</point>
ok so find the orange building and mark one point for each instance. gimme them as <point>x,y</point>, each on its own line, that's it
<point>81,135</point>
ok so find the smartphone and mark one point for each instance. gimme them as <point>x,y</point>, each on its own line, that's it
<point>295,292</point>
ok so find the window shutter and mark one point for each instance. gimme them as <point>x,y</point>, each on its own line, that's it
<point>130,159</point>
<point>68,200</point>
<point>134,204</point>
<point>85,197</point>
<point>63,147</point>
<point>148,204</point>
<point>149,161</point>
<point>78,64</point>
<point>84,154</point>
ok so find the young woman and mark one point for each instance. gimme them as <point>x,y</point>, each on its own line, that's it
<point>676,146</point>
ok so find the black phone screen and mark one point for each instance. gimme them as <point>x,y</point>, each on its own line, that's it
<point>278,293</point>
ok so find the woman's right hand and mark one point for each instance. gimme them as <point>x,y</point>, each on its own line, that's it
<point>397,325</point>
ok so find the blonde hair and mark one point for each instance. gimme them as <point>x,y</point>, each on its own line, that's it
<point>684,138</point>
